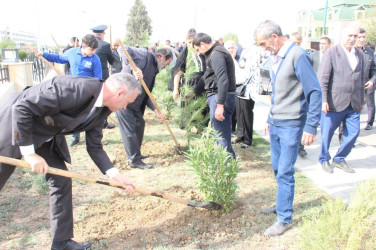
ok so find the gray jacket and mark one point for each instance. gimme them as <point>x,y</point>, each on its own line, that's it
<point>340,84</point>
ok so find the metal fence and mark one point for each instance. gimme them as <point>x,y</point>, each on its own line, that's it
<point>4,74</point>
<point>39,67</point>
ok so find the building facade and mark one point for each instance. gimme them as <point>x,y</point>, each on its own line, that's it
<point>338,14</point>
<point>18,37</point>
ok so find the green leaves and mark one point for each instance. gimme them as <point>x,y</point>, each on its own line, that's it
<point>215,168</point>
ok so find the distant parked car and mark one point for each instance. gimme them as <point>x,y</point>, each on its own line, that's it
<point>265,77</point>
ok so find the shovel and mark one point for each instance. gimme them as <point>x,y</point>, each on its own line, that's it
<point>55,171</point>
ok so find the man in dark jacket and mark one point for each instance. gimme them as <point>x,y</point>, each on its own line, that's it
<point>220,85</point>
<point>35,121</point>
<point>131,120</point>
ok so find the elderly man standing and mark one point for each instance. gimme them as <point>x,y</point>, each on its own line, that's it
<point>341,76</point>
<point>294,115</point>
<point>220,85</point>
<point>35,121</point>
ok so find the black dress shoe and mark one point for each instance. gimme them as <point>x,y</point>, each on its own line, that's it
<point>72,245</point>
<point>73,142</point>
<point>343,165</point>
<point>237,140</point>
<point>327,167</point>
<point>302,152</point>
<point>144,156</point>
<point>141,165</point>
<point>110,126</point>
<point>368,127</point>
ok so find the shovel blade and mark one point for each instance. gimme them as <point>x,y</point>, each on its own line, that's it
<point>207,205</point>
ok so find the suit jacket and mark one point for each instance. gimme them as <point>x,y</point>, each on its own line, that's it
<point>340,84</point>
<point>315,60</point>
<point>50,110</point>
<point>105,55</point>
<point>117,65</point>
<point>369,66</point>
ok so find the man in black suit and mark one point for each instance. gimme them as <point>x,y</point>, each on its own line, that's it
<point>316,56</point>
<point>104,53</point>
<point>369,75</point>
<point>35,121</point>
<point>131,120</point>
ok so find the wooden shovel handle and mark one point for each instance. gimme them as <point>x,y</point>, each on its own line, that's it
<point>149,94</point>
<point>44,59</point>
<point>60,172</point>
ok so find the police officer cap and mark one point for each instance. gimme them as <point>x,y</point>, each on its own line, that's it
<point>99,28</point>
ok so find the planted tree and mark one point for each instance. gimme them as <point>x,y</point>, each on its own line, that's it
<point>161,93</point>
<point>191,113</point>
<point>138,26</point>
<point>216,169</point>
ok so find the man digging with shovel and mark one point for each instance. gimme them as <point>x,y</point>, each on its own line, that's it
<point>35,121</point>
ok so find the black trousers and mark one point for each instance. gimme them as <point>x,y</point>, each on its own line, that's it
<point>132,127</point>
<point>244,119</point>
<point>61,212</point>
<point>370,100</point>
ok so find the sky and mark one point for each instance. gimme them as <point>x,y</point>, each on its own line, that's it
<point>171,19</point>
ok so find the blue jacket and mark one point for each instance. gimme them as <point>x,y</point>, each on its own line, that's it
<point>79,65</point>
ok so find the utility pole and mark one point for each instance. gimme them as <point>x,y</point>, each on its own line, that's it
<point>325,14</point>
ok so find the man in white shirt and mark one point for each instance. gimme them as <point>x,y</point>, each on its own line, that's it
<point>341,77</point>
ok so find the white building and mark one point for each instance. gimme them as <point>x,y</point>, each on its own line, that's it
<point>18,37</point>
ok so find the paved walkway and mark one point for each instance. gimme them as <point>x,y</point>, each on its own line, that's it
<point>339,184</point>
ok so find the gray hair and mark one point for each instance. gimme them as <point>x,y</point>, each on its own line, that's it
<point>266,29</point>
<point>124,80</point>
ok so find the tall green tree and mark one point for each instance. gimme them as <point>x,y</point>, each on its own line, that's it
<point>138,26</point>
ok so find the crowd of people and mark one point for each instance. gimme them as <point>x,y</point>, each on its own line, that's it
<point>323,88</point>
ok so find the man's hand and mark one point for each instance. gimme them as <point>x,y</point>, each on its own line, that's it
<point>266,129</point>
<point>325,107</point>
<point>219,113</point>
<point>130,186</point>
<point>160,116</point>
<point>368,85</point>
<point>308,139</point>
<point>37,163</point>
<point>138,74</point>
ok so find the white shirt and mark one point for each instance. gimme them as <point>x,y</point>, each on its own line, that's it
<point>353,60</point>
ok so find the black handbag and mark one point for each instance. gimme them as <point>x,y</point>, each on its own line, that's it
<point>240,89</point>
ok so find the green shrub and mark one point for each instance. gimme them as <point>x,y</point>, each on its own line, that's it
<point>336,226</point>
<point>216,169</point>
<point>22,55</point>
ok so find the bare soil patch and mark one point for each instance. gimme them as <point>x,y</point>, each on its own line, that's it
<point>111,219</point>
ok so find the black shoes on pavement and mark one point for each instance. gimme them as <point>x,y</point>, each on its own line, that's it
<point>344,166</point>
<point>70,245</point>
<point>368,127</point>
<point>302,152</point>
<point>327,167</point>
